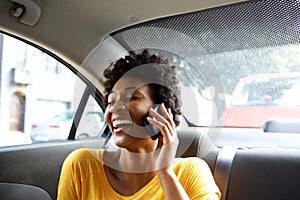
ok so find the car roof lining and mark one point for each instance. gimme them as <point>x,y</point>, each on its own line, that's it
<point>72,34</point>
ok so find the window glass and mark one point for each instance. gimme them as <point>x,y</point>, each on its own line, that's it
<point>237,72</point>
<point>92,120</point>
<point>260,88</point>
<point>37,95</point>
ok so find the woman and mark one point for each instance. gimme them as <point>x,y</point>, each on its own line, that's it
<point>145,166</point>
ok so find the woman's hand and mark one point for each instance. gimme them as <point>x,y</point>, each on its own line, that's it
<point>166,149</point>
<point>165,154</point>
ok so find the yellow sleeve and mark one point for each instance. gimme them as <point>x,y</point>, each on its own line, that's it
<point>197,179</point>
<point>67,181</point>
<point>76,168</point>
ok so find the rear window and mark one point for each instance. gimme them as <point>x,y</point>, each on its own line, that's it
<point>267,90</point>
<point>238,65</point>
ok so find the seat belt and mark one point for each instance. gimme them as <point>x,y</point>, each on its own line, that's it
<point>223,167</point>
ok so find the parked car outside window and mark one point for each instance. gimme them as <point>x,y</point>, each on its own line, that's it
<point>257,99</point>
<point>56,128</point>
<point>40,97</point>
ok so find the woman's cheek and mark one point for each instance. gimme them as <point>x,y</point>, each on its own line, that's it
<point>107,115</point>
<point>138,112</point>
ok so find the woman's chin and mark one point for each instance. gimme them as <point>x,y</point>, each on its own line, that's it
<point>124,140</point>
<point>133,132</point>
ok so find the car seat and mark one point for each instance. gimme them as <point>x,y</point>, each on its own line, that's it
<point>16,191</point>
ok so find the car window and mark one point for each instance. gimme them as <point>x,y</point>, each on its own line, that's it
<point>39,96</point>
<point>92,120</point>
<point>231,80</point>
<point>258,94</point>
<point>267,90</point>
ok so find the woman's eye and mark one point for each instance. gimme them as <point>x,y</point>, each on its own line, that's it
<point>133,98</point>
<point>110,102</point>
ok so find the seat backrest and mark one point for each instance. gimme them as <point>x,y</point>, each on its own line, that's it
<point>14,191</point>
<point>264,174</point>
<point>189,142</point>
<point>194,143</point>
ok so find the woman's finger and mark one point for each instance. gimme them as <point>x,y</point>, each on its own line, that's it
<point>164,122</point>
<point>160,125</point>
<point>164,117</point>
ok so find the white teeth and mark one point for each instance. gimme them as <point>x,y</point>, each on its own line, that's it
<point>117,123</point>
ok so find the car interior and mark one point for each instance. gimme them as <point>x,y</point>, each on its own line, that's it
<point>208,40</point>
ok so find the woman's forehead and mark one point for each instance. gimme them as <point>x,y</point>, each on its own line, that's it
<point>127,84</point>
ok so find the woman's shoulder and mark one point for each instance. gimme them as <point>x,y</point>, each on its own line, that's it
<point>84,155</point>
<point>194,172</point>
<point>190,161</point>
<point>190,164</point>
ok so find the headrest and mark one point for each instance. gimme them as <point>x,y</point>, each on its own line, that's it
<point>282,126</point>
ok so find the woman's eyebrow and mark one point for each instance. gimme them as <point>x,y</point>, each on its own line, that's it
<point>126,89</point>
<point>130,88</point>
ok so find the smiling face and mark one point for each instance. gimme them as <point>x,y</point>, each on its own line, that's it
<point>128,102</point>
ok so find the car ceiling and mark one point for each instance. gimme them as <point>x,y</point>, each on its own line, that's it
<point>71,28</point>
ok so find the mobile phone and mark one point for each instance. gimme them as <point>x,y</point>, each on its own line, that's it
<point>152,130</point>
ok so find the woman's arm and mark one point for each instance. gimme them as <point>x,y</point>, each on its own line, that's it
<point>170,184</point>
<point>200,185</point>
<point>194,179</point>
<point>165,155</point>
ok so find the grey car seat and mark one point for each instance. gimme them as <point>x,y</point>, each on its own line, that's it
<point>15,191</point>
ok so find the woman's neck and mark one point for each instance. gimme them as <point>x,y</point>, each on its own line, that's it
<point>136,162</point>
<point>130,162</point>
<point>125,168</point>
<point>120,180</point>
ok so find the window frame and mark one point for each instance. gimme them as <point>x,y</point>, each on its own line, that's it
<point>90,89</point>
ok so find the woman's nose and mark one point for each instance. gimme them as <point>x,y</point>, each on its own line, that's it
<point>118,106</point>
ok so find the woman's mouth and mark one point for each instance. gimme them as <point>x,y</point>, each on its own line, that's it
<point>121,123</point>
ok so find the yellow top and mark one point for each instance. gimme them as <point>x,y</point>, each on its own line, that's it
<point>83,177</point>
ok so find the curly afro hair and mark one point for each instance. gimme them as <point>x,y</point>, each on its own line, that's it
<point>156,72</point>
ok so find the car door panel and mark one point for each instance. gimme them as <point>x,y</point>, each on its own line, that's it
<point>40,164</point>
